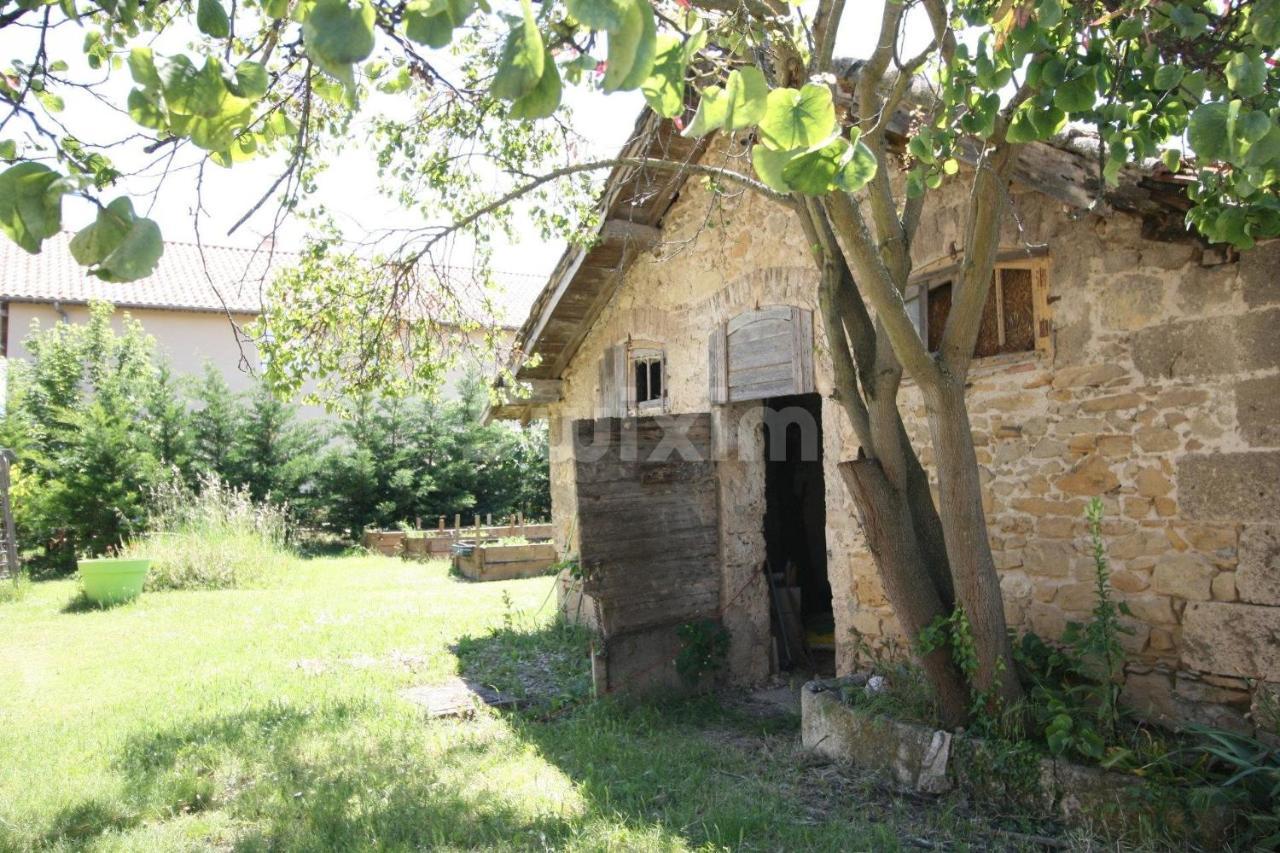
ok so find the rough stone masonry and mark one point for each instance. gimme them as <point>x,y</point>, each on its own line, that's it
<point>1160,393</point>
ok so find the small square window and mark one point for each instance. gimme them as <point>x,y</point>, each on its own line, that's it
<point>1010,318</point>
<point>648,380</point>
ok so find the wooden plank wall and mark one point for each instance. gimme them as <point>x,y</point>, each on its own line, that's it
<point>648,528</point>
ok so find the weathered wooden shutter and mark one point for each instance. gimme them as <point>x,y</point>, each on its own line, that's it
<point>767,352</point>
<point>613,382</point>
<point>649,539</point>
<point>1042,312</point>
<point>718,366</point>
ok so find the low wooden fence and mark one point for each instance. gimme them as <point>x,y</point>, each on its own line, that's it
<point>425,544</point>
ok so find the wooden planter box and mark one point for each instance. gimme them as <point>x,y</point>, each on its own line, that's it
<point>503,562</point>
<point>385,542</point>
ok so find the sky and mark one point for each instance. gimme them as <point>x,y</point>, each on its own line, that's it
<point>349,187</point>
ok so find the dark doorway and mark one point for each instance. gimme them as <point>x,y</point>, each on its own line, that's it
<point>795,533</point>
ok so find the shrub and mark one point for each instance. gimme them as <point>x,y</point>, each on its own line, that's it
<point>84,465</point>
<point>213,537</point>
<point>14,588</point>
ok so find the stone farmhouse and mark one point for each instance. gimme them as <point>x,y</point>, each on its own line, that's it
<point>1121,357</point>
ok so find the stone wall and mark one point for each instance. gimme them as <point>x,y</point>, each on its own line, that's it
<point>1162,395</point>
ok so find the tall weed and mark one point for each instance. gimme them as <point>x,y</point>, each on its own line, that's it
<point>211,538</point>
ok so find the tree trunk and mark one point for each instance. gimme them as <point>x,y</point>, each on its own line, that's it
<point>964,527</point>
<point>892,540</point>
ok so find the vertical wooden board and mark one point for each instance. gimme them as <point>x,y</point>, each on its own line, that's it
<point>802,350</point>
<point>989,333</point>
<point>938,309</point>
<point>621,379</point>
<point>1017,290</point>
<point>603,382</point>
<point>717,366</point>
<point>1041,311</point>
<point>613,382</point>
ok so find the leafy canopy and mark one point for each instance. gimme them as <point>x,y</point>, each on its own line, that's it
<point>1170,79</point>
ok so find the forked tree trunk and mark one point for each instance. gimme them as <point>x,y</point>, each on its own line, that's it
<point>964,525</point>
<point>893,542</point>
<point>895,505</point>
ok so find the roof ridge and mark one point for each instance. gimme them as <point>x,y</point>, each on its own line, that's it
<point>202,245</point>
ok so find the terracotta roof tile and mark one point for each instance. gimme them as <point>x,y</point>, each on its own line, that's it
<point>191,278</point>
<point>186,278</point>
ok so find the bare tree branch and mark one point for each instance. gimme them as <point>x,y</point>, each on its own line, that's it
<point>595,165</point>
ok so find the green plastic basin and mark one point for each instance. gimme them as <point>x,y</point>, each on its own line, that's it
<point>112,580</point>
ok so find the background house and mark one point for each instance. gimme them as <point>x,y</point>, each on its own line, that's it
<point>195,304</point>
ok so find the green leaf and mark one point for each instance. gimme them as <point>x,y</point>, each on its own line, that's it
<point>188,91</point>
<point>769,165</point>
<point>432,30</point>
<point>1076,96</point>
<point>608,15</point>
<point>521,65</point>
<point>713,109</point>
<point>251,80</point>
<point>212,19</point>
<point>815,172</point>
<point>631,49</point>
<point>748,94</point>
<point>123,246</point>
<point>664,90</point>
<point>1265,152</point>
<point>1032,122</point>
<point>8,149</point>
<point>1255,125</point>
<point>432,22</point>
<point>1168,76</point>
<point>915,184</point>
<point>1264,22</point>
<point>1171,158</point>
<point>30,204</point>
<point>860,167</point>
<point>544,98</point>
<point>142,67</point>
<point>1246,75</point>
<point>1208,133</point>
<point>1048,13</point>
<point>144,111</point>
<point>798,118</point>
<point>337,35</point>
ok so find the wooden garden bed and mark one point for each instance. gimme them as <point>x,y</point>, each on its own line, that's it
<point>494,562</point>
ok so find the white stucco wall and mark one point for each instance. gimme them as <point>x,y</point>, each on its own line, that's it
<point>189,339</point>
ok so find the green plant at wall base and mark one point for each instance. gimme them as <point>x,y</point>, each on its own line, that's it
<point>704,649</point>
<point>953,631</point>
<point>1251,784</point>
<point>1075,692</point>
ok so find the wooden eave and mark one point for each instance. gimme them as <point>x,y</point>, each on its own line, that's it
<point>631,210</point>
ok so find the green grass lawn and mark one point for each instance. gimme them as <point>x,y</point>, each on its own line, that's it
<point>270,718</point>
